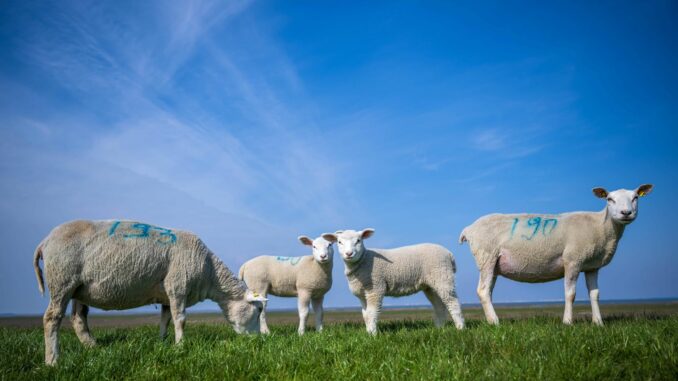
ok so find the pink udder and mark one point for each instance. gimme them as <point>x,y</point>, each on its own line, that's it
<point>506,266</point>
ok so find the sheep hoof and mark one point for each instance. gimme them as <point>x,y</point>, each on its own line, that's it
<point>89,343</point>
<point>51,361</point>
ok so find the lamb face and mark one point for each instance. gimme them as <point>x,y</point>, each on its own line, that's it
<point>244,314</point>
<point>350,243</point>
<point>622,204</point>
<point>322,248</point>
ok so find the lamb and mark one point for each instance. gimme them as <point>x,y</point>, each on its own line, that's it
<point>308,278</point>
<point>117,265</point>
<point>375,273</point>
<point>545,247</point>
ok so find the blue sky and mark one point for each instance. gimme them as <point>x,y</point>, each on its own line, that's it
<point>251,123</point>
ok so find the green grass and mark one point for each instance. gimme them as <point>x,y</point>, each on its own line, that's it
<point>628,347</point>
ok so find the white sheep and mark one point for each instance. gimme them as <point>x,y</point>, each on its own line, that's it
<point>545,247</point>
<point>375,273</point>
<point>117,265</point>
<point>308,278</point>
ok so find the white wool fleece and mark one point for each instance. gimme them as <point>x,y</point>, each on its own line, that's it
<point>117,265</point>
<point>375,273</point>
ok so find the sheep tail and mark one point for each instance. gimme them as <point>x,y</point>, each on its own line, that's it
<point>462,237</point>
<point>38,272</point>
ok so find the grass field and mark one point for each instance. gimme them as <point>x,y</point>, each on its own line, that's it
<point>638,342</point>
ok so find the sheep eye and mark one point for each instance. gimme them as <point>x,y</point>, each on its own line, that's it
<point>610,199</point>
<point>340,243</point>
<point>357,241</point>
<point>635,198</point>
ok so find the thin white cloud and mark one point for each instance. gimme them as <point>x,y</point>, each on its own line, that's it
<point>508,143</point>
<point>489,140</point>
<point>275,162</point>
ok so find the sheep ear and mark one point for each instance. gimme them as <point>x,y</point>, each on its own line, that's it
<point>644,190</point>
<point>600,192</point>
<point>252,296</point>
<point>367,233</point>
<point>305,240</point>
<point>330,237</point>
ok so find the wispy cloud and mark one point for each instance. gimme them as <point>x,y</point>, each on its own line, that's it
<point>489,140</point>
<point>255,158</point>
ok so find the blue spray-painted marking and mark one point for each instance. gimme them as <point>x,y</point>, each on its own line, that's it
<point>143,231</point>
<point>534,221</point>
<point>113,227</point>
<point>547,226</point>
<point>166,234</point>
<point>292,260</point>
<point>513,228</point>
<point>546,223</point>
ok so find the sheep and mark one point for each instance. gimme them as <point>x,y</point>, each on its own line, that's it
<point>308,278</point>
<point>545,247</point>
<point>117,265</point>
<point>375,273</point>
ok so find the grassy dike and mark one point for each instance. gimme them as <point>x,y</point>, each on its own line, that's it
<point>637,345</point>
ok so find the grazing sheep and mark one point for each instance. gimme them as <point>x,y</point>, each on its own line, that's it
<point>375,273</point>
<point>309,278</point>
<point>545,247</point>
<point>117,265</point>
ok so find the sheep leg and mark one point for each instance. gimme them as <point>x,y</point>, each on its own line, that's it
<point>571,276</point>
<point>439,310</point>
<point>51,321</point>
<point>302,303</point>
<point>363,305</point>
<point>318,311</point>
<point>372,311</point>
<point>592,285</point>
<point>178,311</point>
<point>454,307</point>
<point>488,278</point>
<point>79,321</point>
<point>263,326</point>
<point>165,317</point>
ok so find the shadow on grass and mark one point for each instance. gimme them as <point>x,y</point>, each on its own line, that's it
<point>637,316</point>
<point>110,337</point>
<point>413,324</point>
<point>211,333</point>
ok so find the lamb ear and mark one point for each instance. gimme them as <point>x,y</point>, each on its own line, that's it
<point>252,296</point>
<point>600,192</point>
<point>644,190</point>
<point>305,240</point>
<point>367,233</point>
<point>330,237</point>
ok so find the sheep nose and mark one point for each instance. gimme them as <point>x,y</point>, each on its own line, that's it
<point>349,254</point>
<point>626,212</point>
